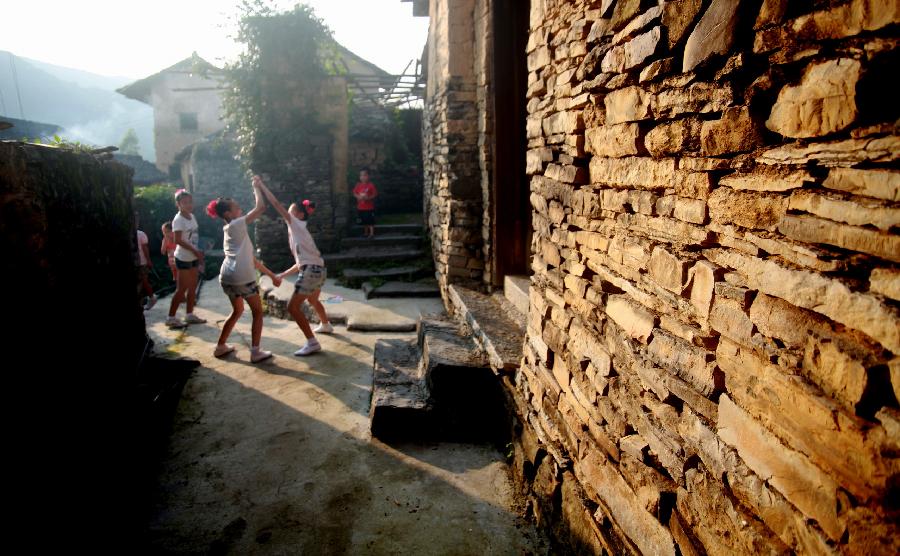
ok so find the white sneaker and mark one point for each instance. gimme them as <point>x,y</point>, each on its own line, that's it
<point>175,322</point>
<point>151,301</point>
<point>223,350</point>
<point>257,356</point>
<point>311,346</point>
<point>324,328</point>
<point>194,319</point>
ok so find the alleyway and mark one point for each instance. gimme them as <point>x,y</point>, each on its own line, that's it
<point>276,458</point>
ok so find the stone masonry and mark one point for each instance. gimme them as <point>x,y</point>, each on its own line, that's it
<point>711,361</point>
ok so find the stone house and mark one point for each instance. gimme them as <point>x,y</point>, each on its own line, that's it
<point>705,199</point>
<point>187,106</point>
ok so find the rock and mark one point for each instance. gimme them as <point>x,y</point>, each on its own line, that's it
<point>632,53</point>
<point>767,181</point>
<point>729,318</point>
<point>881,184</point>
<point>819,293</point>
<point>771,13</point>
<point>674,138</point>
<point>636,322</point>
<point>643,173</point>
<point>657,68</point>
<point>735,132</point>
<point>846,21</point>
<point>755,211</point>
<point>822,103</point>
<point>810,229</point>
<point>630,104</point>
<point>624,12</point>
<point>801,482</point>
<point>688,361</point>
<point>539,58</point>
<point>885,281</point>
<point>702,279</point>
<point>856,213</point>
<point>563,122</point>
<point>697,98</point>
<point>614,140</point>
<point>667,270</point>
<point>678,15</point>
<point>637,24</point>
<point>714,34</point>
<point>836,153</point>
<point>690,210</point>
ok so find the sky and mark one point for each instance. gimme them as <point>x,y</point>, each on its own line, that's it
<point>136,39</point>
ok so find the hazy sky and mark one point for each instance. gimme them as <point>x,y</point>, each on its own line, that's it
<point>138,38</point>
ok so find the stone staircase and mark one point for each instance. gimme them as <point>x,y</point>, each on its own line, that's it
<point>444,384</point>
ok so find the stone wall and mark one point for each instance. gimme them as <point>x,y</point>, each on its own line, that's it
<point>73,340</point>
<point>453,197</point>
<point>711,358</point>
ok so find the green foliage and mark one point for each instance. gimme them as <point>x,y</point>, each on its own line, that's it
<point>154,205</point>
<point>62,143</point>
<point>296,37</point>
<point>129,143</point>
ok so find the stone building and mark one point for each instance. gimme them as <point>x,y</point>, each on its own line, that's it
<point>187,106</point>
<point>705,196</point>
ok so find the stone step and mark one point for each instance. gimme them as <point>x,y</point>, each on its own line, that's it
<point>400,407</point>
<point>360,255</point>
<point>496,325</point>
<point>382,240</point>
<point>409,271</point>
<point>516,290</point>
<point>391,229</point>
<point>401,289</point>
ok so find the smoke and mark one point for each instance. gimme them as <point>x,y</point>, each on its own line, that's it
<point>110,129</point>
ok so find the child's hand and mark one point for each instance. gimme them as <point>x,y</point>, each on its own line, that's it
<point>276,281</point>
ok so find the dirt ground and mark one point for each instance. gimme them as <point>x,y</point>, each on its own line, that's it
<point>276,458</point>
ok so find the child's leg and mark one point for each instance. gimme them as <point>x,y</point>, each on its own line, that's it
<point>237,308</point>
<point>191,288</point>
<point>255,303</point>
<point>180,292</point>
<point>294,308</point>
<point>318,307</point>
<point>145,284</point>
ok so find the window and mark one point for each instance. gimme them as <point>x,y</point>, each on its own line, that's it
<point>188,121</point>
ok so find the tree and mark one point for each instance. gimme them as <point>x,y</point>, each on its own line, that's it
<point>129,144</point>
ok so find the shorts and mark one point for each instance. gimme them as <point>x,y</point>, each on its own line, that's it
<point>367,217</point>
<point>310,279</point>
<point>234,291</point>
<point>186,265</point>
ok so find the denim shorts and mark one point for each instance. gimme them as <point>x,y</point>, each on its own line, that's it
<point>310,279</point>
<point>234,291</point>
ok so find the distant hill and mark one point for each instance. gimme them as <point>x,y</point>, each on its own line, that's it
<point>85,105</point>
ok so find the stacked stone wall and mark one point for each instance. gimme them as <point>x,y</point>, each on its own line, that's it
<point>711,359</point>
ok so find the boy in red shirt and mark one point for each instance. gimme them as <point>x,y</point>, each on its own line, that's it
<point>365,194</point>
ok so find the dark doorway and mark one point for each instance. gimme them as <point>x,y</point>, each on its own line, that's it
<point>510,205</point>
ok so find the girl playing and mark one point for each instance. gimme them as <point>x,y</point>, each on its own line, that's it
<point>168,248</point>
<point>187,259</point>
<point>309,264</point>
<point>238,274</point>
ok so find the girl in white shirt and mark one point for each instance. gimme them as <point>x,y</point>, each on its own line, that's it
<point>238,274</point>
<point>187,260</point>
<point>309,265</point>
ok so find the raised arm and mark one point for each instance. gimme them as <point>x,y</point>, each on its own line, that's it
<point>278,206</point>
<point>260,207</point>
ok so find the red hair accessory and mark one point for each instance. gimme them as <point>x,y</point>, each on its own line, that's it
<point>211,208</point>
<point>306,202</point>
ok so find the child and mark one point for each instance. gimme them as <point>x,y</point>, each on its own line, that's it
<point>187,260</point>
<point>168,248</point>
<point>310,266</point>
<point>365,194</point>
<point>238,274</point>
<point>144,268</point>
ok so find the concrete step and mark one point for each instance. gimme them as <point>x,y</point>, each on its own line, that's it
<point>390,229</point>
<point>400,407</point>
<point>497,326</point>
<point>401,289</point>
<point>395,240</point>
<point>361,255</point>
<point>408,271</point>
<point>516,290</point>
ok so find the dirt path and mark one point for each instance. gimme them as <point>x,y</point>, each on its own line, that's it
<point>276,458</point>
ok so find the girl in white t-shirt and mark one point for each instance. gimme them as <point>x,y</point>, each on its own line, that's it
<point>309,265</point>
<point>238,274</point>
<point>187,260</point>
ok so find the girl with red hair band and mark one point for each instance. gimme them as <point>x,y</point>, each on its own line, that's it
<point>309,265</point>
<point>238,274</point>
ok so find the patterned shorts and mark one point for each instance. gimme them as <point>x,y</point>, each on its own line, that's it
<point>310,279</point>
<point>234,291</point>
